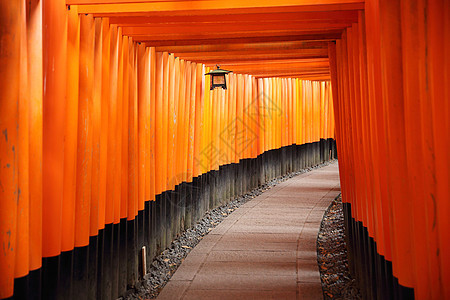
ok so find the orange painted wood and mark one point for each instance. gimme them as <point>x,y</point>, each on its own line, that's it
<point>255,118</point>
<point>119,202</point>
<point>200,87</point>
<point>123,93</point>
<point>183,121</point>
<point>252,117</point>
<point>165,120</point>
<point>159,182</point>
<point>149,135</point>
<point>143,119</point>
<point>347,119</point>
<point>271,112</point>
<point>171,123</point>
<point>321,111</point>
<point>200,158</point>
<point>216,111</point>
<point>276,111</point>
<point>96,129</point>
<point>149,183</point>
<point>233,117</point>
<point>328,35</point>
<point>221,142</point>
<point>133,125</point>
<point>260,114</point>
<point>438,33</point>
<point>244,47</point>
<point>35,84</point>
<point>284,111</point>
<point>155,18</point>
<point>255,56</point>
<point>372,184</point>
<point>180,168</point>
<point>196,93</point>
<point>365,119</point>
<point>392,85</point>
<point>177,168</point>
<point>210,146</point>
<point>354,83</point>
<point>211,7</point>
<point>143,81</point>
<point>338,90</point>
<point>22,256</point>
<point>379,146</point>
<point>105,121</point>
<point>246,134</point>
<point>350,111</point>
<point>84,133</point>
<point>155,39</point>
<point>187,113</point>
<point>9,117</point>
<point>226,122</point>
<point>151,171</point>
<point>294,110</point>
<point>112,146</point>
<point>420,159</point>
<point>234,29</point>
<point>301,117</point>
<point>54,73</point>
<point>132,186</point>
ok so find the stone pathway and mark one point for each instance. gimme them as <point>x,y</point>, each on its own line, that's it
<point>266,249</point>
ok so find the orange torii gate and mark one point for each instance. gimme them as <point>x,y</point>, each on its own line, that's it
<point>106,114</point>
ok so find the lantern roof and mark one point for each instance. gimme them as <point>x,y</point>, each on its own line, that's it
<point>218,71</point>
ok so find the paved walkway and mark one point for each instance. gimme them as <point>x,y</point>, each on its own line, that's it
<point>266,249</point>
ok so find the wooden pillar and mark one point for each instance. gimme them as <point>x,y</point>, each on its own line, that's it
<point>9,117</point>
<point>54,107</point>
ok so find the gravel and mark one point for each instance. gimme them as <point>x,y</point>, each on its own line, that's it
<point>165,265</point>
<point>337,281</point>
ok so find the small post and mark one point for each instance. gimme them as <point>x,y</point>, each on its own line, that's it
<point>144,261</point>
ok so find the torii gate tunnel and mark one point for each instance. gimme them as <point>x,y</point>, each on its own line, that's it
<point>112,140</point>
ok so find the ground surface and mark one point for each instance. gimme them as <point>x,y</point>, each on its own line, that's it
<point>337,282</point>
<point>265,249</point>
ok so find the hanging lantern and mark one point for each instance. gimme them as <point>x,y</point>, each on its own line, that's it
<point>218,78</point>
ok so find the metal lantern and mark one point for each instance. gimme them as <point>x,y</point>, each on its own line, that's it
<point>218,78</point>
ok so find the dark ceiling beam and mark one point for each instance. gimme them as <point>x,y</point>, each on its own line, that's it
<point>317,36</point>
<point>348,16</point>
<point>243,47</point>
<point>209,7</point>
<point>252,29</point>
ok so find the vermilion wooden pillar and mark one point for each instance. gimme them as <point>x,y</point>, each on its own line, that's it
<point>164,116</point>
<point>55,55</point>
<point>35,74</point>
<point>71,129</point>
<point>123,138</point>
<point>111,168</point>
<point>97,109</point>
<point>376,110</point>
<point>171,123</point>
<point>438,48</point>
<point>105,110</point>
<point>9,117</point>
<point>84,149</point>
<point>143,72</point>
<point>152,125</point>
<point>22,230</point>
<point>199,124</point>
<point>392,82</point>
<point>159,186</point>
<point>418,138</point>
